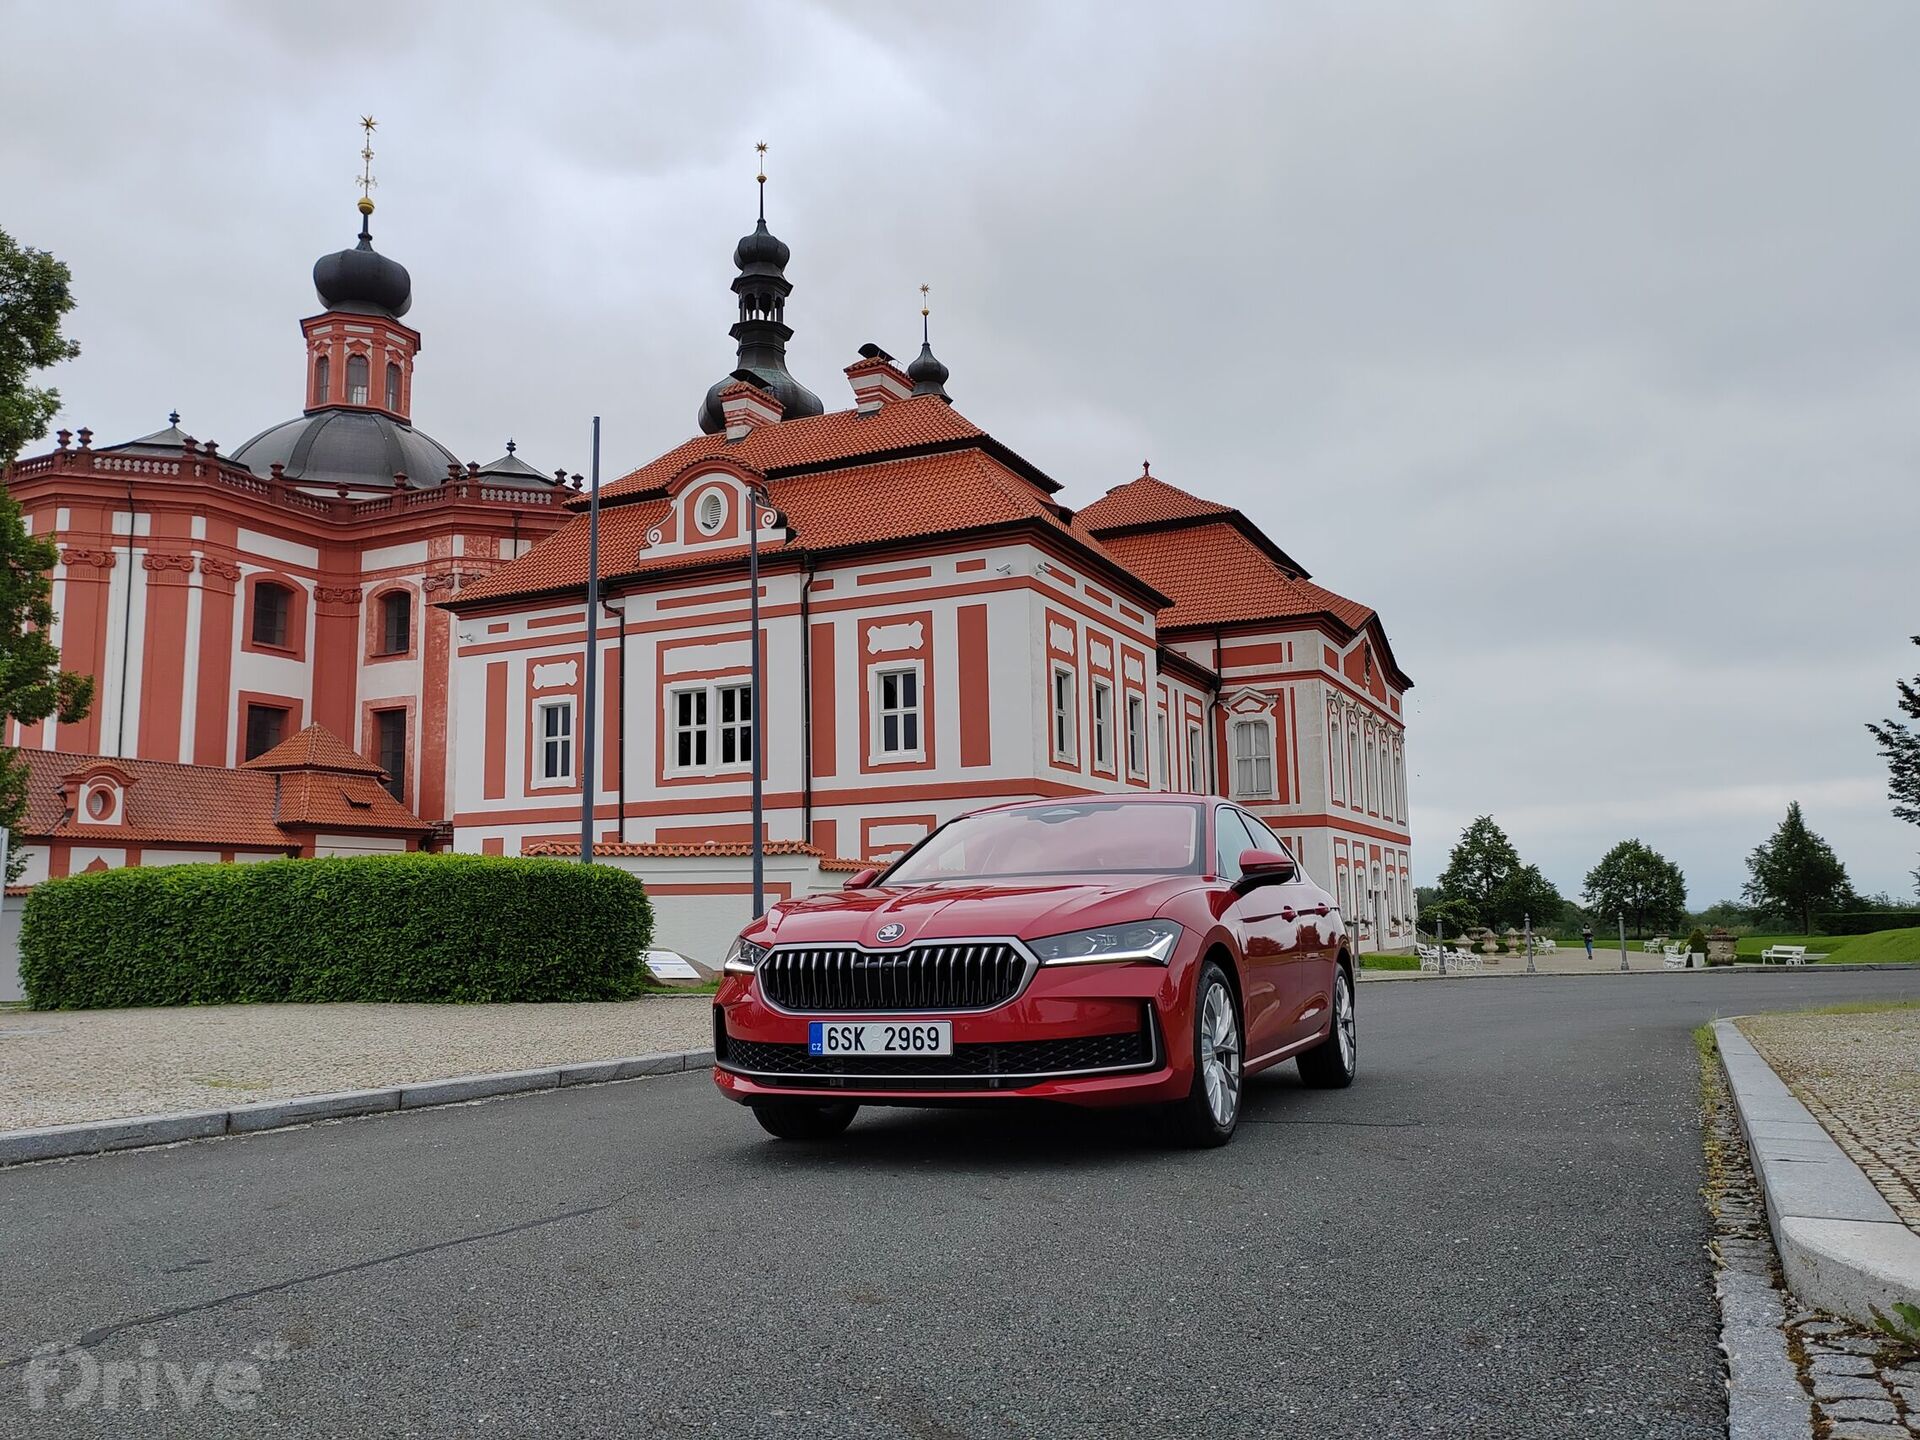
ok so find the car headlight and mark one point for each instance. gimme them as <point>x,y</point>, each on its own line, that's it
<point>1148,940</point>
<point>744,958</point>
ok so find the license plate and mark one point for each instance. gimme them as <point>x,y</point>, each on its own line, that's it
<point>880,1037</point>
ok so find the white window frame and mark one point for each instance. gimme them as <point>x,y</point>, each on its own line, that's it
<point>706,729</point>
<point>1196,760</point>
<point>1163,742</point>
<point>1136,707</point>
<point>1064,736</point>
<point>1102,719</point>
<point>1336,753</point>
<point>544,742</point>
<point>1252,725</point>
<point>877,707</point>
<point>740,728</point>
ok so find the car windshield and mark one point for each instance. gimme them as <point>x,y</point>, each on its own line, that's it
<point>1074,838</point>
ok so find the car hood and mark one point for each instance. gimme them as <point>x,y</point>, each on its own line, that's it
<point>965,909</point>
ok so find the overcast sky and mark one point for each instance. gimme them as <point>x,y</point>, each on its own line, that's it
<point>1581,340</point>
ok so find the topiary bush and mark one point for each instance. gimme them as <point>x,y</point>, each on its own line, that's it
<point>1697,942</point>
<point>377,927</point>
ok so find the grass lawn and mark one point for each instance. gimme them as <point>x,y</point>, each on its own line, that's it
<point>1880,947</point>
<point>1389,962</point>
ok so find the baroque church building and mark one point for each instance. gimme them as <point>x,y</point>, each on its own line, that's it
<point>940,631</point>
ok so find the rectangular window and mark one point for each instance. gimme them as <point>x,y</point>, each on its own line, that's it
<point>266,728</point>
<point>555,721</point>
<point>1162,749</point>
<point>736,724</point>
<point>396,623</point>
<point>1102,725</point>
<point>1252,758</point>
<point>1196,777</point>
<point>689,738</point>
<point>1136,735</point>
<point>897,717</point>
<point>390,743</point>
<point>1066,730</point>
<point>271,606</point>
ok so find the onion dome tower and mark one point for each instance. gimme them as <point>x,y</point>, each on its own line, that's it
<point>357,428</point>
<point>762,331</point>
<point>929,376</point>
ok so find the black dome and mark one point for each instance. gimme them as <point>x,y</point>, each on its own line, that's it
<point>761,250</point>
<point>363,280</point>
<point>929,376</point>
<point>362,448</point>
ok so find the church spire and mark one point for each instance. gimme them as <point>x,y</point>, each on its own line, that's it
<point>929,376</point>
<point>761,331</point>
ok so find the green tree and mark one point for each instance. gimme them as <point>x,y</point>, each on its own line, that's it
<point>1901,746</point>
<point>1796,873</point>
<point>1488,879</point>
<point>34,296</point>
<point>1638,880</point>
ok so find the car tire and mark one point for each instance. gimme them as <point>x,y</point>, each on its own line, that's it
<point>1332,1064</point>
<point>1211,1112</point>
<point>802,1120</point>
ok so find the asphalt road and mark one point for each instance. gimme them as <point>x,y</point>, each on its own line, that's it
<point>1497,1231</point>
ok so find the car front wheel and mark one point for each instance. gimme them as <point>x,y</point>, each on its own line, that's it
<point>798,1120</point>
<point>1211,1110</point>
<point>1332,1064</point>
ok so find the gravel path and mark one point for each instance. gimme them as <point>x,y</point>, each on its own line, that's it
<point>1860,1076</point>
<point>57,1067</point>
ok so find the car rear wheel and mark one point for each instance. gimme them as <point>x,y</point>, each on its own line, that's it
<point>799,1120</point>
<point>1211,1110</point>
<point>1332,1064</point>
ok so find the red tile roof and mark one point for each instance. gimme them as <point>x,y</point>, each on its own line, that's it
<point>947,493</point>
<point>818,439</point>
<point>1147,500</point>
<point>207,807</point>
<point>1218,576</point>
<point>315,748</point>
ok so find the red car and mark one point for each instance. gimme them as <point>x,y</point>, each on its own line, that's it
<point>1125,950</point>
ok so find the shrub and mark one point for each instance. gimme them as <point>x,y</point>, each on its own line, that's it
<point>1697,942</point>
<point>382,927</point>
<point>1865,922</point>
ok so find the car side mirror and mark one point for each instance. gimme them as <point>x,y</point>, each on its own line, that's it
<point>1264,867</point>
<point>861,879</point>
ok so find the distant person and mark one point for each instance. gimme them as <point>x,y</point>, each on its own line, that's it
<point>1586,934</point>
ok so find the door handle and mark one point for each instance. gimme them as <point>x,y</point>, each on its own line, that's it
<point>1287,913</point>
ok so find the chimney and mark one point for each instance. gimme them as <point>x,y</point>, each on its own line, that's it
<point>876,379</point>
<point>744,405</point>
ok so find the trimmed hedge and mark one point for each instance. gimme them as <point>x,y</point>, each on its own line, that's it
<point>377,927</point>
<point>1865,922</point>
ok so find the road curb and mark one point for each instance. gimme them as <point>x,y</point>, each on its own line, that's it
<point>93,1137</point>
<point>1740,969</point>
<point>1841,1246</point>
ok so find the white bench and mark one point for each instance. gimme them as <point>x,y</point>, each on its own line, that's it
<point>1432,957</point>
<point>1788,955</point>
<point>1543,945</point>
<point>1467,960</point>
<point>1678,958</point>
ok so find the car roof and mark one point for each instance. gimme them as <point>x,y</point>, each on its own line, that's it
<point>1157,797</point>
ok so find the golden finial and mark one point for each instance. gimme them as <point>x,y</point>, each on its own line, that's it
<point>367,182</point>
<point>760,157</point>
<point>924,312</point>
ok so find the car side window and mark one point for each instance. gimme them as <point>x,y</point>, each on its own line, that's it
<point>1230,842</point>
<point>1265,839</point>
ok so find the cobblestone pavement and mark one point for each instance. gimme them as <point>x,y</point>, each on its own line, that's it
<point>57,1067</point>
<point>1860,1076</point>
<point>1863,1386</point>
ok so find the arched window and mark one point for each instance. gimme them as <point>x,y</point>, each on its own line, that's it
<point>396,622</point>
<point>1373,774</point>
<point>1336,735</point>
<point>272,605</point>
<point>1355,794</point>
<point>1399,781</point>
<point>393,387</point>
<point>322,373</point>
<point>356,379</point>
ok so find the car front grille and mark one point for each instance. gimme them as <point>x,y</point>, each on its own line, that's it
<point>971,976</point>
<point>1012,1064</point>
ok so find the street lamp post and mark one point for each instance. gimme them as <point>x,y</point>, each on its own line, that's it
<point>1527,921</point>
<point>1623,939</point>
<point>593,653</point>
<point>756,498</point>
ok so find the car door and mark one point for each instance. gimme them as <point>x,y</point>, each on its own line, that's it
<point>1306,987</point>
<point>1265,937</point>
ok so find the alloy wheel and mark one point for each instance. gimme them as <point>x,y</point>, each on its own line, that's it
<point>1220,1054</point>
<point>1343,1019</point>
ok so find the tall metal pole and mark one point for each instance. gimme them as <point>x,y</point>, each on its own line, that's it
<point>1527,920</point>
<point>753,650</point>
<point>1623,939</point>
<point>593,652</point>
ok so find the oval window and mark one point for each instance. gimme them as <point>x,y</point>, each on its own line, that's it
<point>99,803</point>
<point>712,512</point>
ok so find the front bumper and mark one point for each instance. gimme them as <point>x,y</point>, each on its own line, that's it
<point>1084,1034</point>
